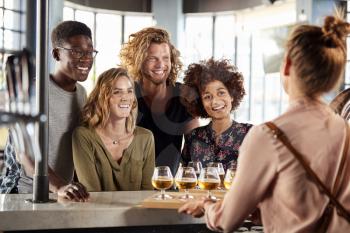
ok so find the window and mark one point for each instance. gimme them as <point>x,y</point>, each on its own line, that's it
<point>237,36</point>
<point>134,23</point>
<point>224,37</point>
<point>243,63</point>
<point>12,35</point>
<point>199,38</point>
<point>13,25</point>
<point>68,13</point>
<point>108,46</point>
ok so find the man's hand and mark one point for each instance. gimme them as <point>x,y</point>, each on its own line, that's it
<point>195,207</point>
<point>74,191</point>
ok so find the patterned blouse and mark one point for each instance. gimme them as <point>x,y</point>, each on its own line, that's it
<point>200,144</point>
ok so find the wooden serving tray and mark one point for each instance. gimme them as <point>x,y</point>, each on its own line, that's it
<point>176,202</point>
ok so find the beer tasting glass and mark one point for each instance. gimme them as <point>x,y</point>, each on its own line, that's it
<point>162,179</point>
<point>186,179</point>
<point>232,165</point>
<point>230,174</point>
<point>220,169</point>
<point>197,165</point>
<point>209,180</point>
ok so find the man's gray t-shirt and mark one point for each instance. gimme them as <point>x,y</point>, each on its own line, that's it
<point>64,112</point>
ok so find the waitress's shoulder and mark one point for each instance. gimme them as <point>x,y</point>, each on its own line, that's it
<point>258,129</point>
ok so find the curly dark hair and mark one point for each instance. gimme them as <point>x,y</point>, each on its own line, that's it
<point>197,77</point>
<point>67,29</point>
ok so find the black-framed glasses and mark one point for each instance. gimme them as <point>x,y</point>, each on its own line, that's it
<point>77,54</point>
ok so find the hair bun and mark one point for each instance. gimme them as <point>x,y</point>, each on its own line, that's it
<point>335,28</point>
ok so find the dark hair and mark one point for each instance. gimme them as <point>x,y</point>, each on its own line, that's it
<point>197,77</point>
<point>318,54</point>
<point>67,29</point>
<point>134,52</point>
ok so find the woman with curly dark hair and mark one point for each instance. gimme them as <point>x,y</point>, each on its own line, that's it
<point>213,89</point>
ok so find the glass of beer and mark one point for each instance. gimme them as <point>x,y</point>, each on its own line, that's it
<point>209,180</point>
<point>230,174</point>
<point>232,165</point>
<point>162,179</point>
<point>221,171</point>
<point>186,179</point>
<point>197,165</point>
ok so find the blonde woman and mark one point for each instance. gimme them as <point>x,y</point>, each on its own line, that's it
<point>110,153</point>
<point>268,175</point>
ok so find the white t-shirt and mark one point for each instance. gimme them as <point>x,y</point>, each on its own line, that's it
<point>64,112</point>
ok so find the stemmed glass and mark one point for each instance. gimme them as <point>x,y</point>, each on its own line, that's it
<point>232,165</point>
<point>230,174</point>
<point>197,165</point>
<point>209,179</point>
<point>186,178</point>
<point>162,179</point>
<point>220,169</point>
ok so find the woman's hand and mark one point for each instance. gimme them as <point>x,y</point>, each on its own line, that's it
<point>74,191</point>
<point>195,207</point>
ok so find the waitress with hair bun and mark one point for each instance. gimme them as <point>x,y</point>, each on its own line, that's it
<point>269,175</point>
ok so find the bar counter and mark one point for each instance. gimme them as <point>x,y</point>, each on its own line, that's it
<point>104,210</point>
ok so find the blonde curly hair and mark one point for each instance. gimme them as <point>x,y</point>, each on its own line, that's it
<point>134,52</point>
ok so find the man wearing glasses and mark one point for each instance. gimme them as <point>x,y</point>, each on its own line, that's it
<point>74,54</point>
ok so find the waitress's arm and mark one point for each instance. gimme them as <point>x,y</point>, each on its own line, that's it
<point>257,168</point>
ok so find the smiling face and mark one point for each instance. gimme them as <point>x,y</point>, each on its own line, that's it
<point>122,99</point>
<point>216,100</point>
<point>76,69</point>
<point>157,65</point>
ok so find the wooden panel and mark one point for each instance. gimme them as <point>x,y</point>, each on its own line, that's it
<point>176,202</point>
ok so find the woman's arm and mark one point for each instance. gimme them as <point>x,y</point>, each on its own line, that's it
<point>149,163</point>
<point>84,160</point>
<point>71,191</point>
<point>257,168</point>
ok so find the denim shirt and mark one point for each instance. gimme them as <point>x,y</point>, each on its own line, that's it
<point>8,182</point>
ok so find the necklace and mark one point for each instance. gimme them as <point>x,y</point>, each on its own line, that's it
<point>115,141</point>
